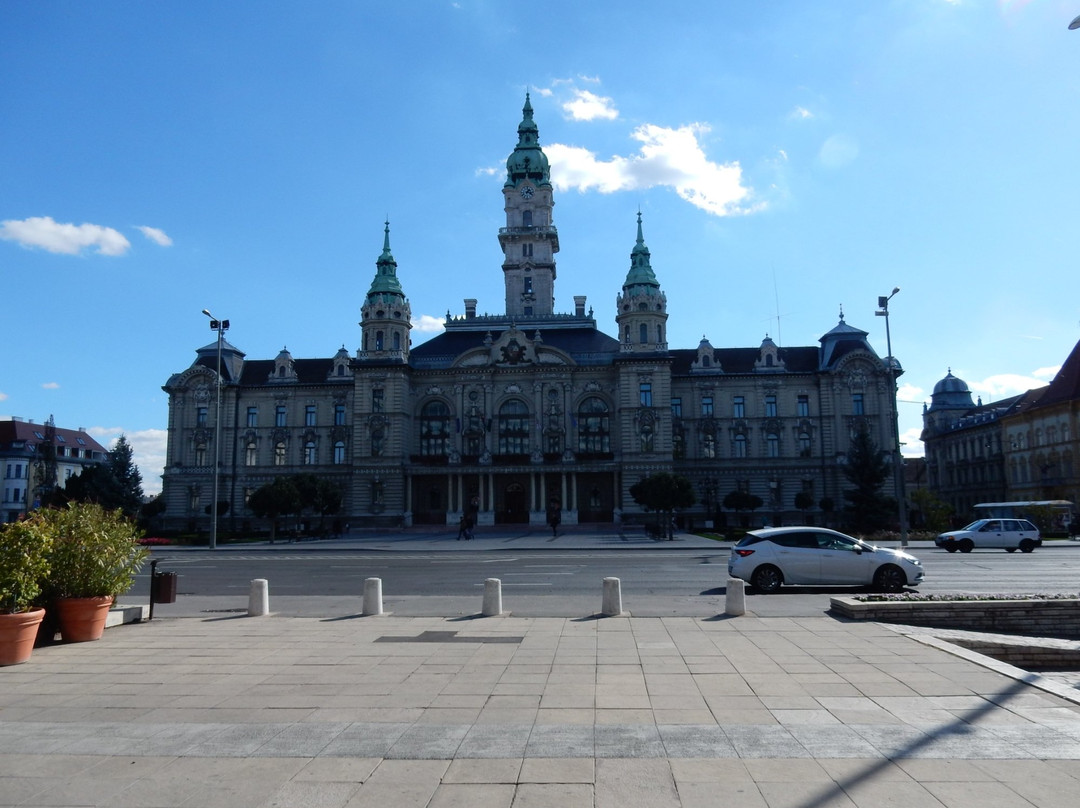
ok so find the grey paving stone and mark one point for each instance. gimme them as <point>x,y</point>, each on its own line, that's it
<point>763,741</point>
<point>832,741</point>
<point>428,742</point>
<point>627,741</point>
<point>371,740</point>
<point>696,741</point>
<point>302,740</point>
<point>561,740</point>
<point>495,741</point>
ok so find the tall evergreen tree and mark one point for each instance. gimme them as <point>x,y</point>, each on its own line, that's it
<point>122,465</point>
<point>867,469</point>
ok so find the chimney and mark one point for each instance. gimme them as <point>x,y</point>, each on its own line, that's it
<point>470,307</point>
<point>579,305</point>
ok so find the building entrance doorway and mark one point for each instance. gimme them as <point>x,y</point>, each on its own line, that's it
<point>515,505</point>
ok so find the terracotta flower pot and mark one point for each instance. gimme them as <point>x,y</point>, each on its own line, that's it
<point>17,634</point>
<point>82,619</point>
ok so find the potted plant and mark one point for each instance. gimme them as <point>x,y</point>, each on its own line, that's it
<point>24,563</point>
<point>94,557</point>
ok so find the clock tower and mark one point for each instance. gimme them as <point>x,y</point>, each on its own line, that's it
<point>529,241</point>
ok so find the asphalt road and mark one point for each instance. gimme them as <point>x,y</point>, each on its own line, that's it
<point>564,583</point>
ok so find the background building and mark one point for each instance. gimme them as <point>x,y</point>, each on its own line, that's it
<point>504,415</point>
<point>1021,448</point>
<point>36,457</point>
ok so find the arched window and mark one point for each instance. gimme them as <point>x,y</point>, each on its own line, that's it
<point>772,445</point>
<point>804,444</point>
<point>251,453</point>
<point>279,453</point>
<point>594,428</point>
<point>526,218</point>
<point>339,452</point>
<point>740,446</point>
<point>397,341</point>
<point>643,333</point>
<point>378,340</point>
<point>434,428</point>
<point>309,453</point>
<point>513,427</point>
<point>200,454</point>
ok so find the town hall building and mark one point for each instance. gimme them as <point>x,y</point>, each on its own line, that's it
<point>503,415</point>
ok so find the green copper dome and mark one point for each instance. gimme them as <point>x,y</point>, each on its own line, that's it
<point>528,160</point>
<point>386,287</point>
<point>640,278</point>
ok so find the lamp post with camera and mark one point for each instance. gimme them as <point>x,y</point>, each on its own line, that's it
<point>220,326</point>
<point>898,460</point>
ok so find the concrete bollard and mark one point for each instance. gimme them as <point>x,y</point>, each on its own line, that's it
<point>735,603</point>
<point>373,596</point>
<point>492,598</point>
<point>259,598</point>
<point>612,604</point>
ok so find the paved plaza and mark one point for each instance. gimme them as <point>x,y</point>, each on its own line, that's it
<point>234,711</point>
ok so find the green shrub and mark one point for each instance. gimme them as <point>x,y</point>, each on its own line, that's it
<point>95,552</point>
<point>24,564</point>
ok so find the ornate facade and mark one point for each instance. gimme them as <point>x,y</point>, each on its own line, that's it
<point>504,414</point>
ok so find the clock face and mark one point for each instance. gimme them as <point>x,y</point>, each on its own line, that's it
<point>526,192</point>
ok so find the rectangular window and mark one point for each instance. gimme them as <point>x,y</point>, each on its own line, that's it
<point>309,415</point>
<point>676,408</point>
<point>738,407</point>
<point>857,407</point>
<point>804,406</point>
<point>376,400</point>
<point>645,394</point>
<point>339,415</point>
<point>200,416</point>
<point>253,417</point>
<point>706,406</point>
<point>279,415</point>
<point>770,406</point>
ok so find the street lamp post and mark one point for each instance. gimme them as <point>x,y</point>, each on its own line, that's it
<point>898,460</point>
<point>220,326</point>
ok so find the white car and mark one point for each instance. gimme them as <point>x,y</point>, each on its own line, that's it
<point>771,557</point>
<point>1009,535</point>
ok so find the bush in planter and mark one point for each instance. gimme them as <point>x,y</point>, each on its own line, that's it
<point>95,552</point>
<point>24,562</point>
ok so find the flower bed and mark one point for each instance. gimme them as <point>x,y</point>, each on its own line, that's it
<point>1032,615</point>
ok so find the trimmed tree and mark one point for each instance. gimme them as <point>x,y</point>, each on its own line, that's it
<point>742,502</point>
<point>867,469</point>
<point>664,493</point>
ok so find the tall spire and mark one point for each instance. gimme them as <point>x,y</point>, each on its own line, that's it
<point>528,160</point>
<point>641,273</point>
<point>386,286</point>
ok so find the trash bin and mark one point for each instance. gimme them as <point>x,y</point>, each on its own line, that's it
<point>163,587</point>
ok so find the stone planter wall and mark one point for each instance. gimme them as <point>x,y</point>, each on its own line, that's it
<point>1034,618</point>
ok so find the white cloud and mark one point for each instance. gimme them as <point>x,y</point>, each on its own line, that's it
<point>50,386</point>
<point>800,114</point>
<point>155,235</point>
<point>1047,373</point>
<point>67,239</point>
<point>1003,385</point>
<point>910,392</point>
<point>3,396</point>
<point>587,106</point>
<point>668,157</point>
<point>426,324</point>
<point>148,447</point>
<point>838,151</point>
<point>911,444</point>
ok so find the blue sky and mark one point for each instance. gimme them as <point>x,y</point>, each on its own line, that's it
<point>789,159</point>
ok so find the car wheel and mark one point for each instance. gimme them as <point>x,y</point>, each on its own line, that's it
<point>1026,546</point>
<point>950,548</point>
<point>767,579</point>
<point>890,578</point>
<point>1010,549</point>
<point>966,546</point>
